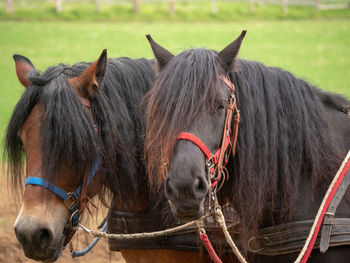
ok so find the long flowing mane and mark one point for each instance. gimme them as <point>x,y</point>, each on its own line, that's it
<point>284,135</point>
<point>67,134</point>
<point>183,90</point>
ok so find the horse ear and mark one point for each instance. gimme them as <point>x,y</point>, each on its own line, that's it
<point>87,83</point>
<point>228,55</point>
<point>23,67</point>
<point>162,55</point>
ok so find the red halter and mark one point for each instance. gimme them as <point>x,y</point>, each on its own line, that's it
<point>215,162</point>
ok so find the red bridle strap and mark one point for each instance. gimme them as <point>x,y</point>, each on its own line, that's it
<point>209,156</point>
<point>219,159</point>
<point>193,138</point>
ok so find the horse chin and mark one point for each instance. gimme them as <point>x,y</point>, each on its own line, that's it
<point>49,255</point>
<point>185,214</point>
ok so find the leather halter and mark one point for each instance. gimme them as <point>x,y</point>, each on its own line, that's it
<point>70,199</point>
<point>216,161</point>
<point>74,201</point>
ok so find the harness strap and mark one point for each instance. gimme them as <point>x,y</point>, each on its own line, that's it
<point>328,220</point>
<point>209,247</point>
<point>305,253</point>
<point>290,238</point>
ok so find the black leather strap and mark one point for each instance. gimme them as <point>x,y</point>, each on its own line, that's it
<point>328,220</point>
<point>290,238</point>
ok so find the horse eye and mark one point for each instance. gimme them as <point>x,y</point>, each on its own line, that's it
<point>221,107</point>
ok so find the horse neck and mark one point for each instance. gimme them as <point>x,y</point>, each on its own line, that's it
<point>263,162</point>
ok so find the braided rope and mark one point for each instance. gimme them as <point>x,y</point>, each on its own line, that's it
<point>160,233</point>
<point>219,216</point>
<point>199,223</point>
<point>305,252</point>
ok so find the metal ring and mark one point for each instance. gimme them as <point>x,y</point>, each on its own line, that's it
<point>71,219</point>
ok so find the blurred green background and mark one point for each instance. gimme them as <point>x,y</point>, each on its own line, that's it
<point>311,43</point>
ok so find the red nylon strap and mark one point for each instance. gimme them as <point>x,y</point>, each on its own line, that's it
<point>324,210</point>
<point>209,247</point>
<point>193,138</point>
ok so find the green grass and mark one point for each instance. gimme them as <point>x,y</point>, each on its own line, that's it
<point>185,11</point>
<point>315,50</point>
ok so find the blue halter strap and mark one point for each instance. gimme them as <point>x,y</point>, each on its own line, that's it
<point>67,197</point>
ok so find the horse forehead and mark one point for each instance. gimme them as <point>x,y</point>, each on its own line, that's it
<point>32,123</point>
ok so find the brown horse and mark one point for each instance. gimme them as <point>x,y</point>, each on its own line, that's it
<point>81,127</point>
<point>292,139</point>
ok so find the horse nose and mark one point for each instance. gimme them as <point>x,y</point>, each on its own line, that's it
<point>20,237</point>
<point>42,237</point>
<point>185,188</point>
<point>38,238</point>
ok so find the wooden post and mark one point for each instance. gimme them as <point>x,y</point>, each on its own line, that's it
<point>9,7</point>
<point>214,7</point>
<point>59,6</point>
<point>252,6</point>
<point>97,6</point>
<point>318,5</point>
<point>285,6</point>
<point>136,6</point>
<point>171,6</point>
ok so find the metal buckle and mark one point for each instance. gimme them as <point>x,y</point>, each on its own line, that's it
<point>210,163</point>
<point>232,98</point>
<point>71,199</point>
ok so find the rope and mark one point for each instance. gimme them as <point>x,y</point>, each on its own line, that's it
<point>310,241</point>
<point>160,233</point>
<point>83,252</point>
<point>206,242</point>
<point>199,223</point>
<point>221,220</point>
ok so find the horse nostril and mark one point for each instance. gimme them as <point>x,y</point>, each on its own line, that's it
<point>43,237</point>
<point>21,238</point>
<point>201,186</point>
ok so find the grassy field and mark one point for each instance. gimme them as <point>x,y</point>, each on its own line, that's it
<point>159,11</point>
<point>315,50</point>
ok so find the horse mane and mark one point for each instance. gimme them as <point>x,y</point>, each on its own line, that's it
<point>283,136</point>
<point>68,136</point>
<point>182,91</point>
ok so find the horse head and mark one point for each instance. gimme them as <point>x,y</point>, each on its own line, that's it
<point>186,114</point>
<point>54,127</point>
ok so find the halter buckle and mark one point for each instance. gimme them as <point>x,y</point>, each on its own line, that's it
<point>70,202</point>
<point>210,163</point>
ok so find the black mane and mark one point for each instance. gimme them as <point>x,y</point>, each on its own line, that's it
<point>284,134</point>
<point>68,135</point>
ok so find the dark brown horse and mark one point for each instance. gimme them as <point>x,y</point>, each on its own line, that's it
<point>68,118</point>
<point>291,141</point>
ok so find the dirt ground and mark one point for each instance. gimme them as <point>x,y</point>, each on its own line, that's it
<point>11,251</point>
